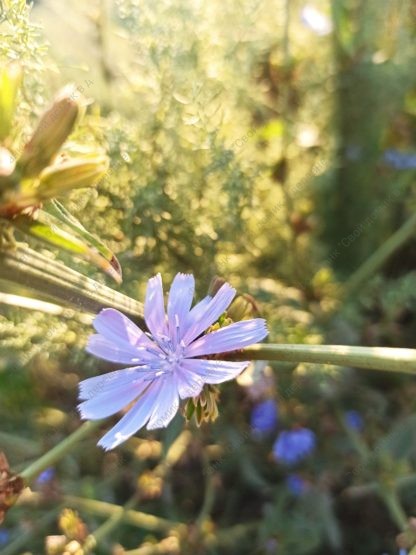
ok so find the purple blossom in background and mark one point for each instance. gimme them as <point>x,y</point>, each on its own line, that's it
<point>354,420</point>
<point>292,446</point>
<point>45,476</point>
<point>296,484</point>
<point>4,536</point>
<point>264,417</point>
<point>400,160</point>
<point>164,364</point>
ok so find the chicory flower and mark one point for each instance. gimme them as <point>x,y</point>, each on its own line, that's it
<point>169,363</point>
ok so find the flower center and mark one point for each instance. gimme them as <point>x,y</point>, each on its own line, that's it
<point>173,358</point>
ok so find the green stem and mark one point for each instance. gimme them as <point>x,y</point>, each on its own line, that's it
<point>377,260</point>
<point>209,496</point>
<point>394,506</point>
<point>136,518</point>
<point>57,452</point>
<point>93,539</point>
<point>45,276</point>
<point>401,484</point>
<point>373,358</point>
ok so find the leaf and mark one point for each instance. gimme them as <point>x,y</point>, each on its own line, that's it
<point>63,215</point>
<point>46,228</point>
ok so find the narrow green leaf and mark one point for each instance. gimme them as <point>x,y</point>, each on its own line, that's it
<point>64,216</point>
<point>46,228</point>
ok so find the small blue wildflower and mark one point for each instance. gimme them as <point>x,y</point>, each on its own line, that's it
<point>399,160</point>
<point>296,484</point>
<point>45,476</point>
<point>264,417</point>
<point>354,420</point>
<point>169,363</point>
<point>4,536</point>
<point>294,445</point>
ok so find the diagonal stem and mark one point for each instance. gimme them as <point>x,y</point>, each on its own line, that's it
<point>57,452</point>
<point>376,261</point>
<point>108,526</point>
<point>45,276</point>
<point>145,521</point>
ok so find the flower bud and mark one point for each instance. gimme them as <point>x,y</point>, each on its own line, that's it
<point>215,285</point>
<point>52,131</point>
<point>54,545</point>
<point>243,307</point>
<point>203,408</point>
<point>72,174</point>
<point>72,526</point>
<point>10,79</point>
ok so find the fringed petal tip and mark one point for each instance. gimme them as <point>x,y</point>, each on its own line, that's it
<point>262,328</point>
<point>82,414</point>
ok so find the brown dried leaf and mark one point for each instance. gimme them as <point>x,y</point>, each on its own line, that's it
<point>11,485</point>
